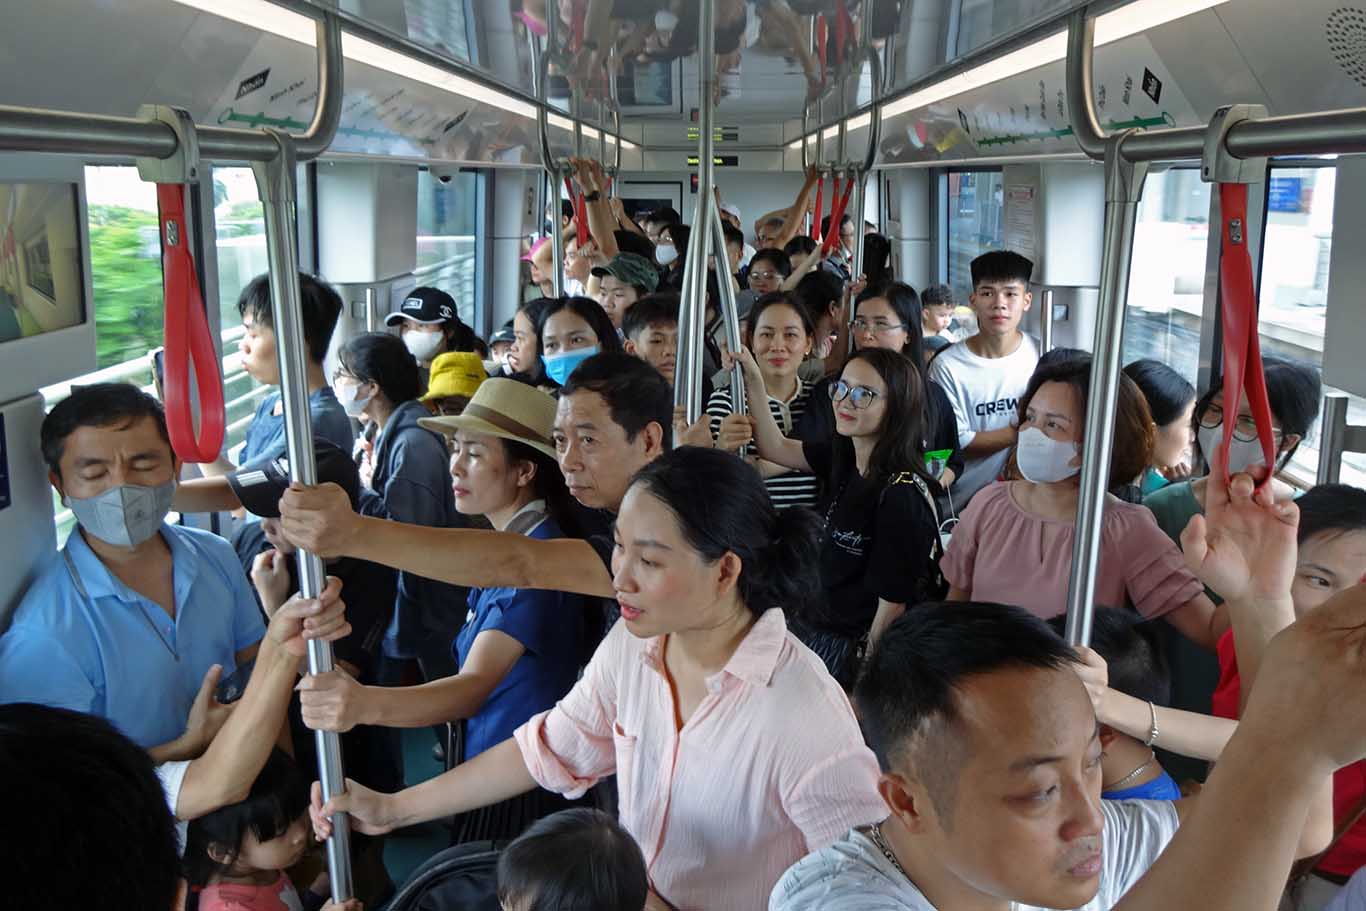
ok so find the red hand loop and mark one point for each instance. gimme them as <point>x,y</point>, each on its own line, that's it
<point>1242,348</point>
<point>837,207</point>
<point>581,235</point>
<point>187,338</point>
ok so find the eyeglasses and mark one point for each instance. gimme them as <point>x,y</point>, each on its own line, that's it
<point>862,325</point>
<point>860,397</point>
<point>1244,431</point>
<point>764,276</point>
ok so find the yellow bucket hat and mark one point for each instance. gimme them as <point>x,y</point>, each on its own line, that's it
<point>455,373</point>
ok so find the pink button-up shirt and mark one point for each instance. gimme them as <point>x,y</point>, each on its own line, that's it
<point>769,767</point>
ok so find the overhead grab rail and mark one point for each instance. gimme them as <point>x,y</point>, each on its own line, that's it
<point>273,155</point>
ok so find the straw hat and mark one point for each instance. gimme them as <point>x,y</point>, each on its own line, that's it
<point>504,408</point>
<point>455,373</point>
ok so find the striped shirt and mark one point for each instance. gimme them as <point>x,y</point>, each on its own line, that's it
<point>793,488</point>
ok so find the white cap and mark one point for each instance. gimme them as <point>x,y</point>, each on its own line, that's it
<point>731,209</point>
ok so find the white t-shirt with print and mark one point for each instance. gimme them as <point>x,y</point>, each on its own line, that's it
<point>985,393</point>
<point>853,875</point>
<point>172,775</point>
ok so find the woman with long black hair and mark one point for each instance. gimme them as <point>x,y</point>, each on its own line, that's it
<point>880,544</point>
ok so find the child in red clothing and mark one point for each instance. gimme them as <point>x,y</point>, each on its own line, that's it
<point>1332,557</point>
<point>235,857</point>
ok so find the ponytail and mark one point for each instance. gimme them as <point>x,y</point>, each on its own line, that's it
<point>723,507</point>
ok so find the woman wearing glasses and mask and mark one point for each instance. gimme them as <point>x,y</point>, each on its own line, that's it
<point>880,542</point>
<point>889,318</point>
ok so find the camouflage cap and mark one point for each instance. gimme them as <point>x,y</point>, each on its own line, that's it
<point>631,268</point>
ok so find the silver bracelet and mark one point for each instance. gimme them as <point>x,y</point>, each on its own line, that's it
<point>1152,730</point>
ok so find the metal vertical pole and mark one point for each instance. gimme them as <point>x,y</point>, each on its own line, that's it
<point>730,313</point>
<point>556,234</point>
<point>275,181</point>
<point>1123,190</point>
<point>860,191</point>
<point>1332,438</point>
<point>1046,322</point>
<point>693,312</point>
<point>371,310</point>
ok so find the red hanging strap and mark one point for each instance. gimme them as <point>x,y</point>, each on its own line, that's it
<point>1242,349</point>
<point>816,218</point>
<point>837,206</point>
<point>581,233</point>
<point>187,338</point>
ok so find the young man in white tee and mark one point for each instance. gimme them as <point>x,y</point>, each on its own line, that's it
<point>985,375</point>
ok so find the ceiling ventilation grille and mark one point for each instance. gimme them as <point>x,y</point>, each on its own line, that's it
<point>1346,31</point>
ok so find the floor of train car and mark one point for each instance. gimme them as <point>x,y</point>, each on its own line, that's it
<point>406,849</point>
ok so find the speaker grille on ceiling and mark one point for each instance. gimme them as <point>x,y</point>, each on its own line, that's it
<point>1346,31</point>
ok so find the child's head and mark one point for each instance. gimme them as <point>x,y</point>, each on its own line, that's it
<point>651,330</point>
<point>573,859</point>
<point>319,307</point>
<point>267,831</point>
<point>937,306</point>
<point>1133,655</point>
<point>1332,544</point>
<point>1000,291</point>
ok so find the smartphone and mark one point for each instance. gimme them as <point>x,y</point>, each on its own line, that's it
<point>231,687</point>
<point>158,356</point>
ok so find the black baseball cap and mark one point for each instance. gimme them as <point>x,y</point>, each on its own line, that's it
<point>259,489</point>
<point>424,305</point>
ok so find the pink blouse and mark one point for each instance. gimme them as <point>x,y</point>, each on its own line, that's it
<point>770,767</point>
<point>1003,554</point>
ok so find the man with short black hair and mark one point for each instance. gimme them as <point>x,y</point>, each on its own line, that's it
<point>319,306</point>
<point>985,375</point>
<point>134,614</point>
<point>614,416</point>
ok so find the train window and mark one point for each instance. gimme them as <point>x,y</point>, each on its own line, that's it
<point>240,232</point>
<point>1294,288</point>
<point>974,223</point>
<point>980,21</point>
<point>1166,278</point>
<point>447,211</point>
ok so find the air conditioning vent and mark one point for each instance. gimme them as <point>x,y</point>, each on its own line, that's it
<point>1346,32</point>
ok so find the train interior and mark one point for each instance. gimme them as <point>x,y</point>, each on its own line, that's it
<point>951,119</point>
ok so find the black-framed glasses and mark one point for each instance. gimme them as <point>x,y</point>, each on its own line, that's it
<point>859,396</point>
<point>862,325</point>
<point>1244,431</point>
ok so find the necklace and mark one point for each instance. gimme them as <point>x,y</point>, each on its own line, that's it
<point>875,833</point>
<point>1132,775</point>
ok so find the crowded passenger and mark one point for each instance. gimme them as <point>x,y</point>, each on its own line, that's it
<point>377,380</point>
<point>936,321</point>
<point>889,318</point>
<point>1014,542</point>
<point>573,329</point>
<point>625,279</point>
<point>985,375</point>
<point>524,357</point>
<point>319,309</point>
<point>429,327</point>
<point>671,253</point>
<point>134,612</point>
<point>701,674</point>
<point>650,330</point>
<point>1171,400</point>
<point>608,872</point>
<point>781,335</point>
<point>454,378</point>
<point>519,650</point>
<point>880,541</point>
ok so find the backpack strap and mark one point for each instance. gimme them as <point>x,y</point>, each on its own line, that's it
<point>910,477</point>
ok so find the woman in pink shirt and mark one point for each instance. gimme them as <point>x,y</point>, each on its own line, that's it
<point>1014,541</point>
<point>735,752</point>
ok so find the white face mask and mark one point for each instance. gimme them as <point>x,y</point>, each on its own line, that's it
<point>1242,454</point>
<point>349,396</point>
<point>1044,460</point>
<point>665,254</point>
<point>424,346</point>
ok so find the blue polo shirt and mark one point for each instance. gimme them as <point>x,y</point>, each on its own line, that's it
<point>549,625</point>
<point>111,652</point>
<point>265,439</point>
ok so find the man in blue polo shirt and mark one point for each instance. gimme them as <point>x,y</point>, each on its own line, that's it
<point>133,613</point>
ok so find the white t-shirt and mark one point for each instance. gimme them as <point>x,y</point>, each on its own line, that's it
<point>985,394</point>
<point>172,775</point>
<point>853,875</point>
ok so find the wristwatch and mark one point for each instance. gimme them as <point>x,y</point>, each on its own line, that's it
<point>592,197</point>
